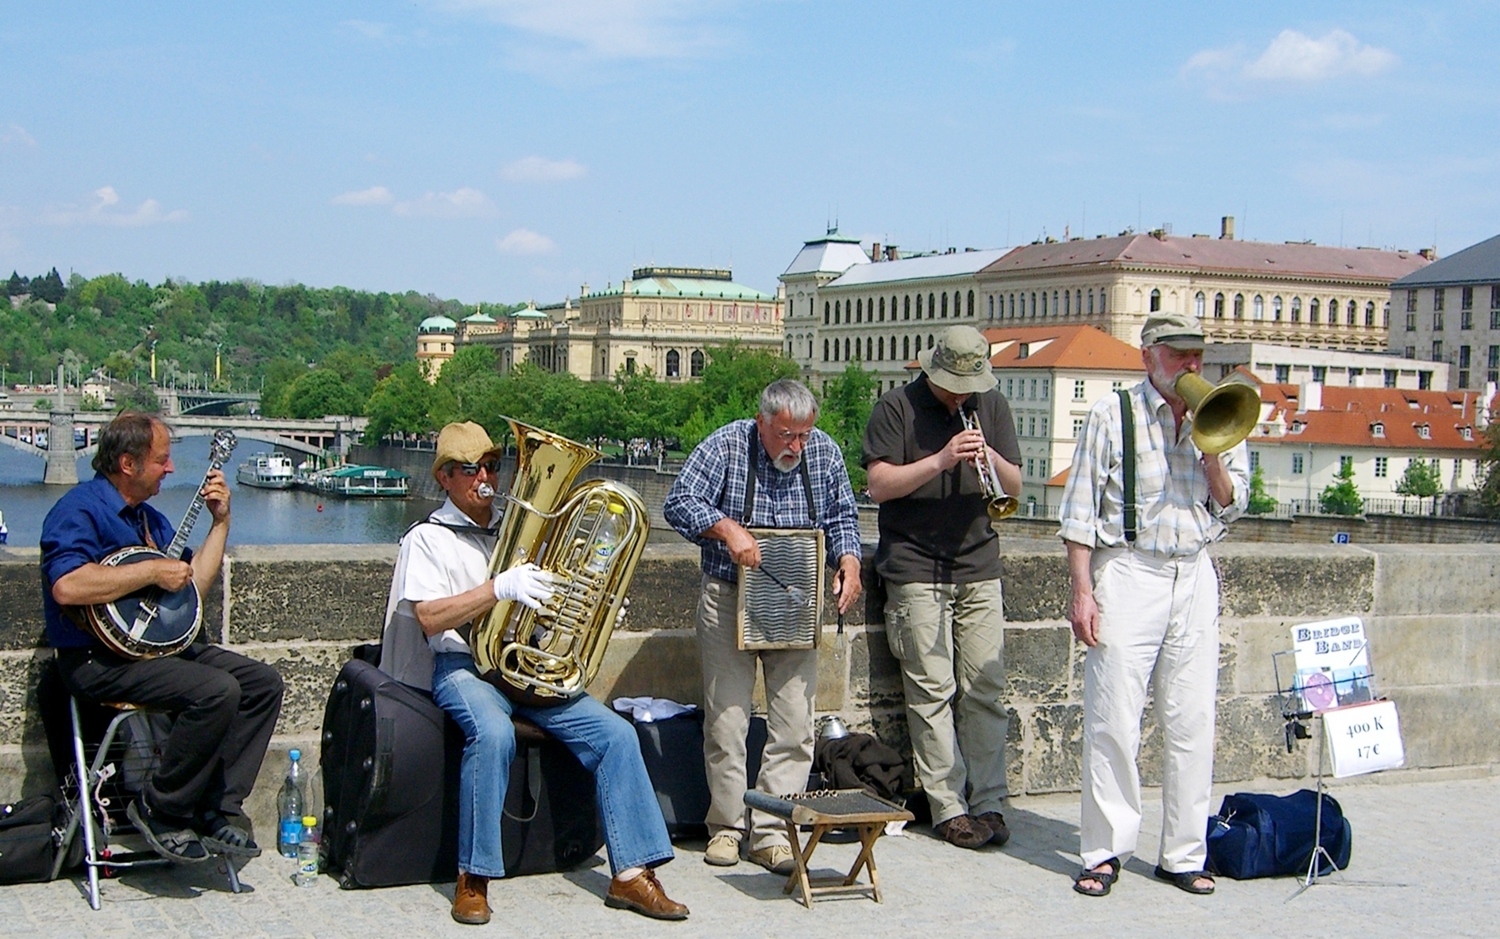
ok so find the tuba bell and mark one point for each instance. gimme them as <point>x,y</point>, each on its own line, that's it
<point>1223,415</point>
<point>547,657</point>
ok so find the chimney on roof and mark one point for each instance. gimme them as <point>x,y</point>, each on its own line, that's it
<point>1429,253</point>
<point>1310,397</point>
<point>875,251</point>
<point>890,253</point>
<point>1226,228</point>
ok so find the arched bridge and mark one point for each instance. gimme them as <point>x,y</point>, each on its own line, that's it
<point>62,444</point>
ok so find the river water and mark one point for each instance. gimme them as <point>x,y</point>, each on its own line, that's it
<point>260,516</point>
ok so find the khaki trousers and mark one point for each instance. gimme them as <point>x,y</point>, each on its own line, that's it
<point>950,641</point>
<point>1161,615</point>
<point>791,678</point>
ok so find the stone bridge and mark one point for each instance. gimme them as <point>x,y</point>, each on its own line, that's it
<point>1432,614</point>
<point>329,435</point>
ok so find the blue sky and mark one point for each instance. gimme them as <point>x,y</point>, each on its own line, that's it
<point>501,150</point>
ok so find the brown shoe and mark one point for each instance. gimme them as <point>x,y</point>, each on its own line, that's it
<point>471,902</point>
<point>963,830</point>
<point>644,895</point>
<point>995,822</point>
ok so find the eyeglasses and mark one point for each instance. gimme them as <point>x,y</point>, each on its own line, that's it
<point>472,469</point>
<point>787,436</point>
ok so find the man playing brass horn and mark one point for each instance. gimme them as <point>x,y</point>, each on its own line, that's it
<point>1147,600</point>
<point>441,585</point>
<point>791,462</point>
<point>941,565</point>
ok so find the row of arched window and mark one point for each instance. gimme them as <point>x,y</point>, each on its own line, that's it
<point>1317,313</point>
<point>674,363</point>
<point>1037,304</point>
<point>874,309</point>
<point>872,348</point>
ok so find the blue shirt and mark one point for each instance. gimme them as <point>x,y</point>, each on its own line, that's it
<point>89,523</point>
<point>711,486</point>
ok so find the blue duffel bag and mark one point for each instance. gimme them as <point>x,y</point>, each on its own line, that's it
<point>1258,835</point>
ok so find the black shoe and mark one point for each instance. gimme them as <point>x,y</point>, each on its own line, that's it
<point>172,841</point>
<point>221,836</point>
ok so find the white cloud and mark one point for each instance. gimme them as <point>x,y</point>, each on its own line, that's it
<point>103,211</point>
<point>1295,57</point>
<point>366,29</point>
<point>375,195</point>
<point>524,241</point>
<point>608,29</point>
<point>460,203</point>
<point>535,169</point>
<point>14,135</point>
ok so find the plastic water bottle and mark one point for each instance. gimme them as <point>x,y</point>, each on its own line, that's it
<point>307,853</point>
<point>607,538</point>
<point>291,805</point>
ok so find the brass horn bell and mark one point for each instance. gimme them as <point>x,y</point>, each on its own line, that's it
<point>1223,415</point>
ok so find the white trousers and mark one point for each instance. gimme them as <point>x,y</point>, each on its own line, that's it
<point>1161,615</point>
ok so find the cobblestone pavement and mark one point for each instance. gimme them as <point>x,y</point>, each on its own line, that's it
<point>1416,846</point>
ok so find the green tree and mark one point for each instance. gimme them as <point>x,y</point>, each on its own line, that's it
<point>400,403</point>
<point>138,398</point>
<point>16,285</point>
<point>1260,501</point>
<point>1489,473</point>
<point>733,379</point>
<point>322,392</point>
<point>1420,479</point>
<point>49,287</point>
<point>1342,497</point>
<point>848,399</point>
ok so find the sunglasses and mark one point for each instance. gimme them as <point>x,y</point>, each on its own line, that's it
<point>472,469</point>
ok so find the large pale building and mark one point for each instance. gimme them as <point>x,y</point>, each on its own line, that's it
<point>663,318</point>
<point>1293,294</point>
<point>878,309</point>
<point>1297,364</point>
<point>1449,312</point>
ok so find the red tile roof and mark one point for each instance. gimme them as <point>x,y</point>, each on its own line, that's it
<point>1072,347</point>
<point>1212,255</point>
<point>1348,417</point>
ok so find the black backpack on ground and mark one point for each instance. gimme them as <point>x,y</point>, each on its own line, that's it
<point>390,762</point>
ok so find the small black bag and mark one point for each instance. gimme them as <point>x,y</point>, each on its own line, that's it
<point>1258,835</point>
<point>28,842</point>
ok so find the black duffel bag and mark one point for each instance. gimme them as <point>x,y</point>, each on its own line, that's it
<point>28,840</point>
<point>1259,835</point>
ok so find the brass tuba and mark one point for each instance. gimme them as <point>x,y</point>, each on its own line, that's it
<point>1223,415</point>
<point>548,656</point>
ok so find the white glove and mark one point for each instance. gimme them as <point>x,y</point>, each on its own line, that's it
<point>525,582</point>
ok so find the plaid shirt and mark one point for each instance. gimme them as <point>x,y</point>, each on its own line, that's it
<point>1175,515</point>
<point>711,486</point>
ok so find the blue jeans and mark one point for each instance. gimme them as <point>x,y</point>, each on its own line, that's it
<point>604,742</point>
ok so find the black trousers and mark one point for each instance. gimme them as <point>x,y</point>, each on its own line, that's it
<point>224,707</point>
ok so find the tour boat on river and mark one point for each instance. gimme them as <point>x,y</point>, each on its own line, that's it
<point>358,481</point>
<point>267,471</point>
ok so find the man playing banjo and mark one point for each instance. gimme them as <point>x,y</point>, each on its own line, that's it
<point>225,705</point>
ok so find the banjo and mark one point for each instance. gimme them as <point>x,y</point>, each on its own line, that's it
<point>152,622</point>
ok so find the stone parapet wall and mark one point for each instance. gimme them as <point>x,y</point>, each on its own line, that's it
<point>1432,613</point>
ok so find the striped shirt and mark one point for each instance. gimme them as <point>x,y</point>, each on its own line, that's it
<point>1175,517</point>
<point>711,486</point>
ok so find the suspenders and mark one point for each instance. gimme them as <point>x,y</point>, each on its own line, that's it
<point>1127,444</point>
<point>812,508</point>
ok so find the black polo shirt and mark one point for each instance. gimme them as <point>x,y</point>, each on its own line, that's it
<point>940,532</point>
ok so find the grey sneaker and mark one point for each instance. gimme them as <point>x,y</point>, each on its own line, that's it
<point>173,842</point>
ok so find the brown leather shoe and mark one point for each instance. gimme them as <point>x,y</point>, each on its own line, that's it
<point>644,895</point>
<point>471,902</point>
<point>965,831</point>
<point>995,822</point>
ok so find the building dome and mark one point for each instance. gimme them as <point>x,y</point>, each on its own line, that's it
<point>480,317</point>
<point>437,324</point>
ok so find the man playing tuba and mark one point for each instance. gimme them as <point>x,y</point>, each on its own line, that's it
<point>441,585</point>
